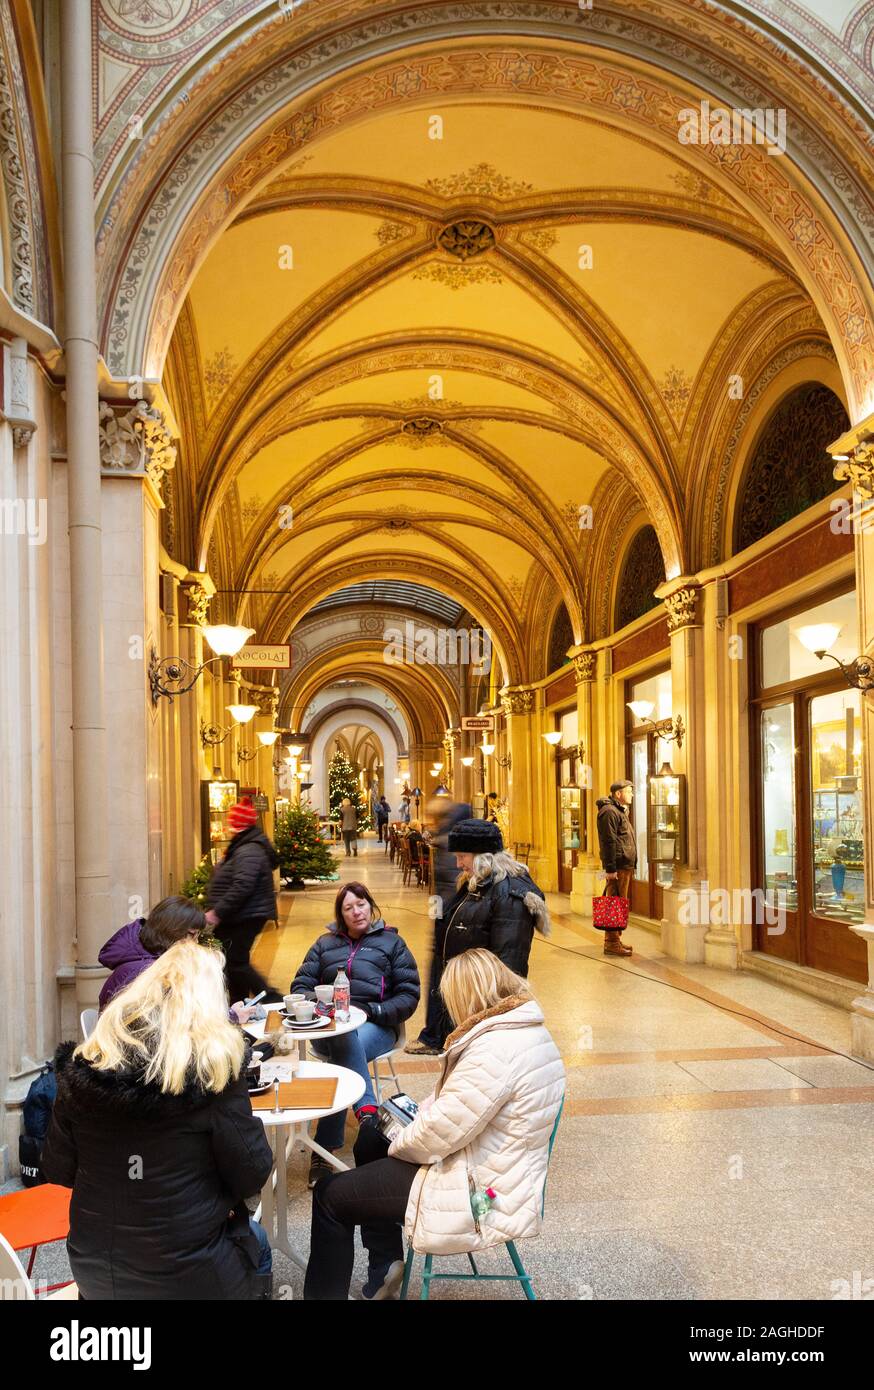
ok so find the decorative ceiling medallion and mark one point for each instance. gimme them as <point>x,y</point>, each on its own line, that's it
<point>422,426</point>
<point>458,277</point>
<point>467,239</point>
<point>147,14</point>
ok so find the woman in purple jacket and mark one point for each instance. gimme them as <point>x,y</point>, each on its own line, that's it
<point>139,944</point>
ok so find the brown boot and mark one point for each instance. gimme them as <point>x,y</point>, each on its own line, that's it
<point>613,944</point>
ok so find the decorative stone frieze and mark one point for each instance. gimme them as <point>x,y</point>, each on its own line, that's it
<point>136,442</point>
<point>198,604</point>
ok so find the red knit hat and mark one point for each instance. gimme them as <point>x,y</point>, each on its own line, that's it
<point>241,816</point>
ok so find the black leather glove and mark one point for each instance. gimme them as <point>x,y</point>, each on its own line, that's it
<point>374,1012</point>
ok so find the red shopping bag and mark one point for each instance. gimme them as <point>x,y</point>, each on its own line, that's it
<point>610,913</point>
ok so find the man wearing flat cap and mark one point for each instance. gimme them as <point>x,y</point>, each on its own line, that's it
<point>618,853</point>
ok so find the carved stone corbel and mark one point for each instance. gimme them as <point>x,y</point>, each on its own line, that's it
<point>585,666</point>
<point>682,608</point>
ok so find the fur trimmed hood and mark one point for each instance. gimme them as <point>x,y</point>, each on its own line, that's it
<point>83,1087</point>
<point>504,1006</point>
<point>540,912</point>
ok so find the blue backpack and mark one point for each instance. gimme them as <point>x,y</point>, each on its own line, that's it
<point>37,1112</point>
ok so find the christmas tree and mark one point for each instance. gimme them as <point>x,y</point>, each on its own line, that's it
<point>302,851</point>
<point>343,781</point>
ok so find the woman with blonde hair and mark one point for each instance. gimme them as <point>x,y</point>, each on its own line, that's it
<point>485,1130</point>
<point>154,1132</point>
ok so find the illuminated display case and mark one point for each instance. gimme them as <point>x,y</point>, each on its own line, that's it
<point>216,799</point>
<point>666,828</point>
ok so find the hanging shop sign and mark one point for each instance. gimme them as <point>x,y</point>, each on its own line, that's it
<point>483,722</point>
<point>264,658</point>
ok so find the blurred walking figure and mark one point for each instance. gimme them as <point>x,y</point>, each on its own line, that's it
<point>241,897</point>
<point>383,811</point>
<point>349,827</point>
<point>618,854</point>
<point>445,813</point>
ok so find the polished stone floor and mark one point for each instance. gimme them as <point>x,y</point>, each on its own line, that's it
<point>713,1145</point>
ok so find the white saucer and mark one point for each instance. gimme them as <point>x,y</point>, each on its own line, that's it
<point>320,1022</point>
<point>259,1090</point>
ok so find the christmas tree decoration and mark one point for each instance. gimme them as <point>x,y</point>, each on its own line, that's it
<point>303,854</point>
<point>343,781</point>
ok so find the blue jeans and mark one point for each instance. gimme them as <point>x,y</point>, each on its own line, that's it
<point>265,1264</point>
<point>352,1050</point>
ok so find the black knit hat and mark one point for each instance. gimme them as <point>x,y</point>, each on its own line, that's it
<point>475,837</point>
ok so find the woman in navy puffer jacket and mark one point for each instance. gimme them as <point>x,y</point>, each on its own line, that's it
<point>383,981</point>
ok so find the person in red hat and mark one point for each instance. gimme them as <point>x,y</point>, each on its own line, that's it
<point>241,897</point>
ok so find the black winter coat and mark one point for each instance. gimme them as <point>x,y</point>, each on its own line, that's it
<point>241,887</point>
<point>383,976</point>
<point>165,1233</point>
<point>615,836</point>
<point>499,917</point>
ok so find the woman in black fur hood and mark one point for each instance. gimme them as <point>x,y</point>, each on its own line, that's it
<point>154,1132</point>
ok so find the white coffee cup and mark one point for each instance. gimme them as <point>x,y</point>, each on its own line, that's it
<point>325,994</point>
<point>289,1001</point>
<point>304,1010</point>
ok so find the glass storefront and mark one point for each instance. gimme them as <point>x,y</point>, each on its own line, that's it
<point>807,766</point>
<point>646,754</point>
<point>571,784</point>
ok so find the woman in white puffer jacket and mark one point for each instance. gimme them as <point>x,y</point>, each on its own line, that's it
<point>485,1129</point>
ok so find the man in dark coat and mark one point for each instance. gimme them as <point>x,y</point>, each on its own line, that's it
<point>497,911</point>
<point>154,1178</point>
<point>618,853</point>
<point>241,897</point>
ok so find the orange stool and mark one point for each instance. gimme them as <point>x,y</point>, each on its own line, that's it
<point>34,1217</point>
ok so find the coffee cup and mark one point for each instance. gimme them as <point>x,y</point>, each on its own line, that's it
<point>289,1001</point>
<point>325,994</point>
<point>253,1071</point>
<point>303,1010</point>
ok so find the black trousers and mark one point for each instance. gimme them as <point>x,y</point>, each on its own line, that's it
<point>237,940</point>
<point>438,1024</point>
<point>350,840</point>
<point>372,1195</point>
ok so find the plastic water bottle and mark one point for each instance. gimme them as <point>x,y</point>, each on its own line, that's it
<point>341,997</point>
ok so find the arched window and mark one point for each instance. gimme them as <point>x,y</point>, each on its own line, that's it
<point>642,573</point>
<point>789,467</point>
<point>561,638</point>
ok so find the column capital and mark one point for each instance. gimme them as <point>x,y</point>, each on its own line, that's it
<point>682,600</point>
<point>858,468</point>
<point>135,442</point>
<point>517,700</point>
<point>199,599</point>
<point>585,664</point>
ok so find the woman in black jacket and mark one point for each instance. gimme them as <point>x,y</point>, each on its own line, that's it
<point>241,898</point>
<point>154,1132</point>
<point>383,981</point>
<point>498,905</point>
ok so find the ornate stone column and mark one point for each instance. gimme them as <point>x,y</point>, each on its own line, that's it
<point>683,935</point>
<point>854,458</point>
<point>585,876</point>
<point>519,705</point>
<point>135,452</point>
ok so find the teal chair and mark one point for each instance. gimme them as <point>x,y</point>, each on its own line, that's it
<point>521,1276</point>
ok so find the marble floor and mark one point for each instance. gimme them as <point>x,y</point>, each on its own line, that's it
<point>714,1145</point>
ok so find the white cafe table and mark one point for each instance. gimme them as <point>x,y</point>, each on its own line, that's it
<point>283,1128</point>
<point>256,1029</point>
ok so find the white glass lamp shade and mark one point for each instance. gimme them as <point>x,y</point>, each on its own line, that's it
<point>553,738</point>
<point>438,767</point>
<point>467,762</point>
<point>818,637</point>
<point>488,749</point>
<point>242,713</point>
<point>225,640</point>
<point>295,749</point>
<point>641,709</point>
<point>306,767</point>
<point>268,740</point>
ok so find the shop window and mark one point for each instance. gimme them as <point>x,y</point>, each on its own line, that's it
<point>646,754</point>
<point>790,468</point>
<point>642,573</point>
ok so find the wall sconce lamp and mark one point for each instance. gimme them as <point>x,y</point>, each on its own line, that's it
<point>668,730</point>
<point>213,734</point>
<point>487,749</point>
<point>820,637</point>
<point>173,675</point>
<point>467,762</point>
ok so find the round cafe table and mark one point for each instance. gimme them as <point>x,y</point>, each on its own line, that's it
<point>256,1029</point>
<point>283,1128</point>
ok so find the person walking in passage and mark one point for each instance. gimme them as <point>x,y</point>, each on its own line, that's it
<point>488,1125</point>
<point>154,1132</point>
<point>349,827</point>
<point>383,811</point>
<point>446,813</point>
<point>618,848</point>
<point>241,897</point>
